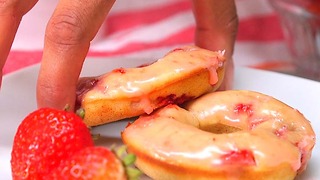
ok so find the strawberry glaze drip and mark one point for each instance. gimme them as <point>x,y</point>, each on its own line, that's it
<point>244,157</point>
<point>243,108</point>
<point>120,70</point>
<point>173,99</point>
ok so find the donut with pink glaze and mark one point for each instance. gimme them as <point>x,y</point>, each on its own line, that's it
<point>222,135</point>
<point>182,74</point>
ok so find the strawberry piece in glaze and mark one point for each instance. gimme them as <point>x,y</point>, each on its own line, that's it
<point>244,157</point>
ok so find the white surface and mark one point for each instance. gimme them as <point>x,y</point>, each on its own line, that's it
<point>17,99</point>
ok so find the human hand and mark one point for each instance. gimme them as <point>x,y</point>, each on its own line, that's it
<point>74,24</point>
<point>69,32</point>
<point>216,29</point>
<point>67,39</point>
<point>11,12</point>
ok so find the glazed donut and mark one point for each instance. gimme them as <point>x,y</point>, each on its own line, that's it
<point>232,134</point>
<point>182,74</point>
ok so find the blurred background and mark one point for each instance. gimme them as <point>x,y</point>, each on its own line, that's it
<point>148,29</point>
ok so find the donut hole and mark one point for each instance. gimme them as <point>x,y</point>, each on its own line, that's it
<point>220,128</point>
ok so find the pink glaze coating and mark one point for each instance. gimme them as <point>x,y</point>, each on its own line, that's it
<point>136,82</point>
<point>229,131</point>
<point>181,75</point>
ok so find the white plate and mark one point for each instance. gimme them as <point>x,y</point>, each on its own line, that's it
<point>17,99</point>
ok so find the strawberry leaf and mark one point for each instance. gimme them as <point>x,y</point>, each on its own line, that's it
<point>129,159</point>
<point>81,113</point>
<point>133,173</point>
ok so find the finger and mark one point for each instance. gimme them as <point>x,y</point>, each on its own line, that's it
<point>11,12</point>
<point>216,29</point>
<point>69,32</point>
<point>216,24</point>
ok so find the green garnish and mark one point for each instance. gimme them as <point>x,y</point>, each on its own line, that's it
<point>133,173</point>
<point>80,112</point>
<point>127,160</point>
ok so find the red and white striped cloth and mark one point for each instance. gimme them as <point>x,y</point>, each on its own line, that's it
<point>151,28</point>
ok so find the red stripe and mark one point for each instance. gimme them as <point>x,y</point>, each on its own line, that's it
<point>126,20</point>
<point>264,28</point>
<point>182,37</point>
<point>20,59</point>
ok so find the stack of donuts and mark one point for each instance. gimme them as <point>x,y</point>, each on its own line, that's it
<point>187,130</point>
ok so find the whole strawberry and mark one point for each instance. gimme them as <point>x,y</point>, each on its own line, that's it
<point>44,139</point>
<point>91,163</point>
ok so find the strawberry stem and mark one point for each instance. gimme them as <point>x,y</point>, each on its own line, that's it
<point>129,159</point>
<point>66,107</point>
<point>81,113</point>
<point>128,162</point>
<point>95,136</point>
<point>133,173</point>
<point>120,151</point>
